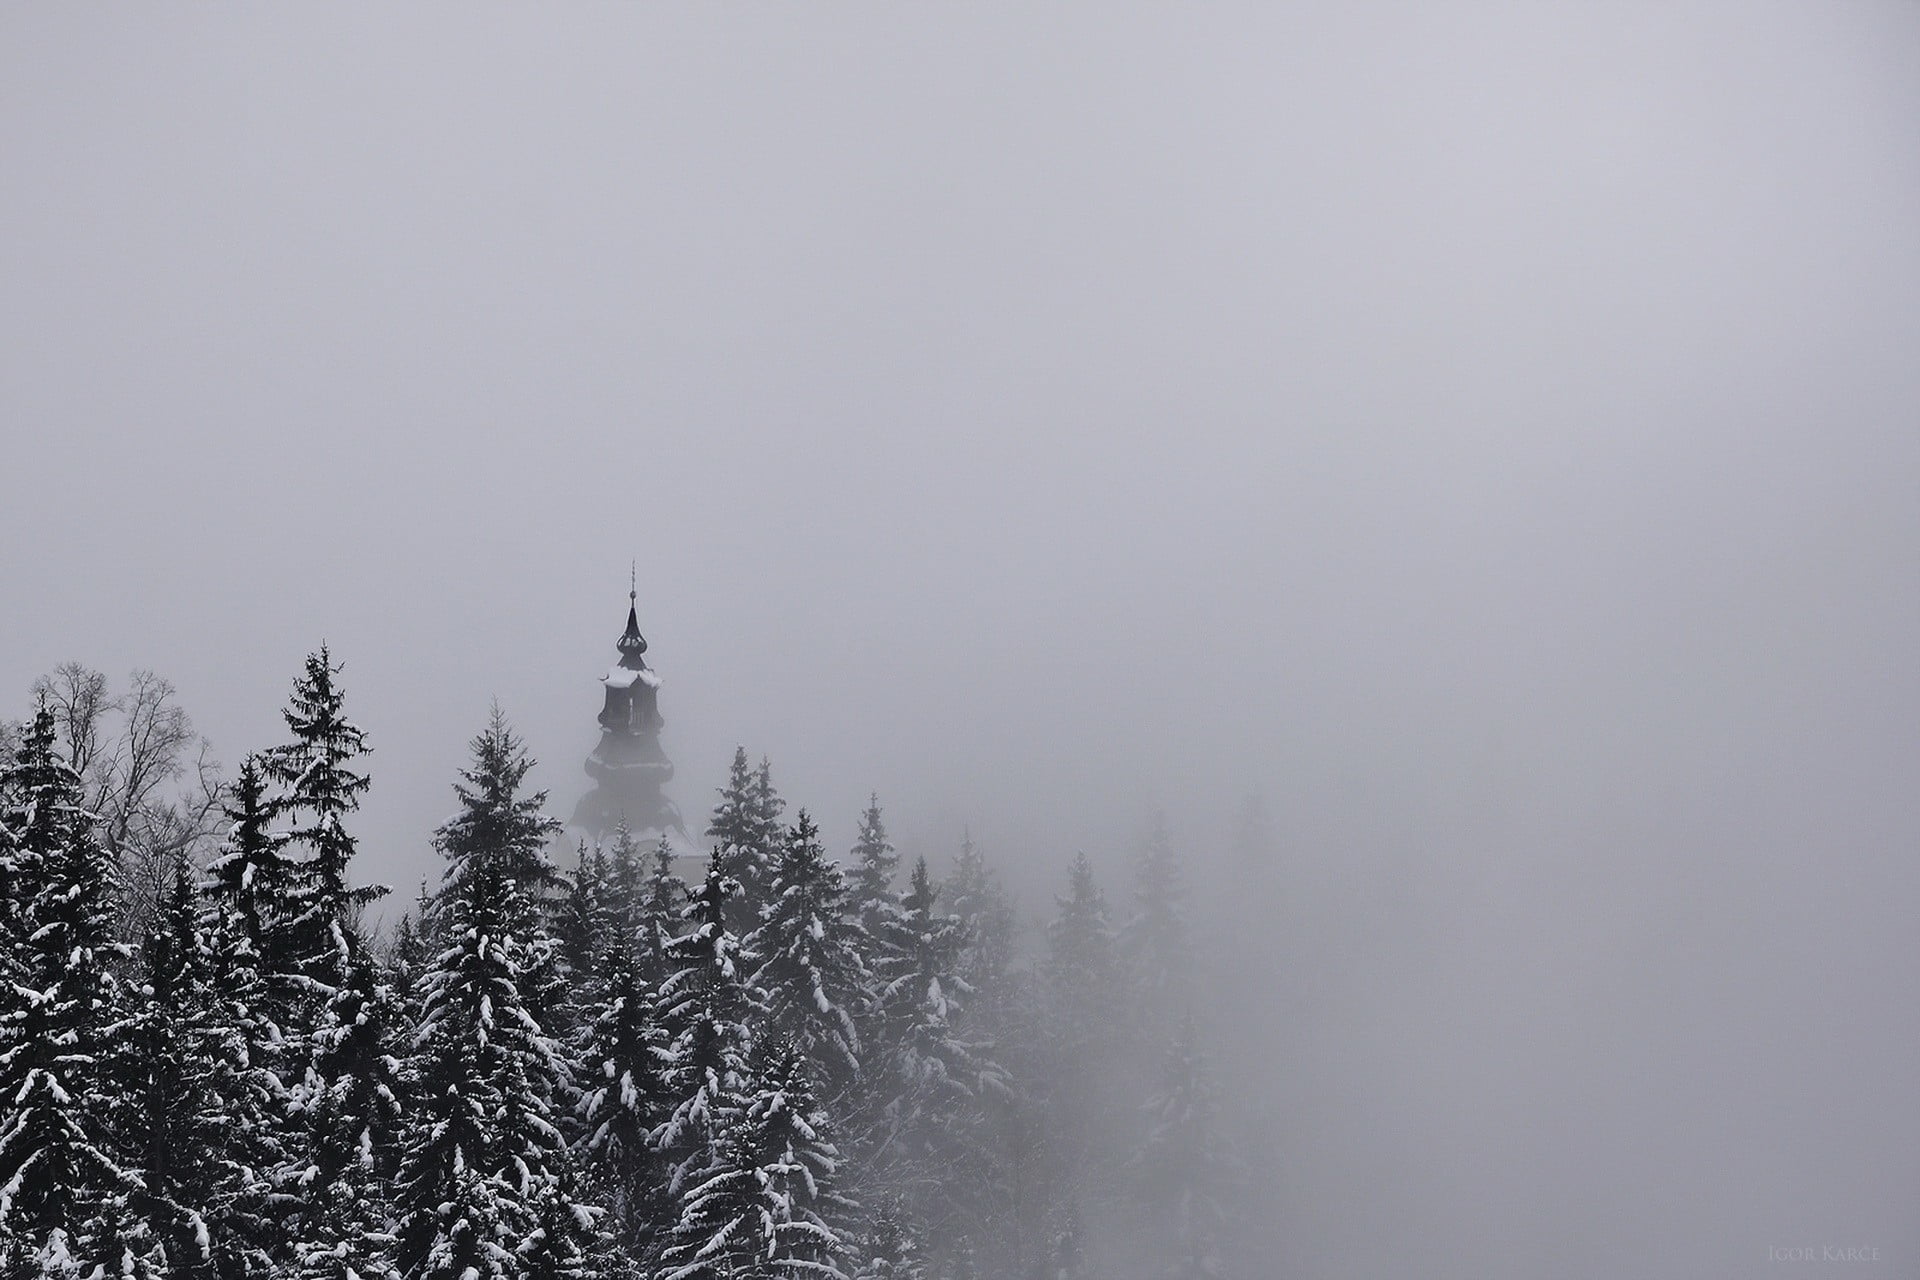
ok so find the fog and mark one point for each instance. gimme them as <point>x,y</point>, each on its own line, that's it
<point>1484,433</point>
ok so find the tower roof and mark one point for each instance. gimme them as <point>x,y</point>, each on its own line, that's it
<point>631,642</point>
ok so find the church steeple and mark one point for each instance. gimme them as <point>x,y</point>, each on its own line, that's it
<point>631,643</point>
<point>628,767</point>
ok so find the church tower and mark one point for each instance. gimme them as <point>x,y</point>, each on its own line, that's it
<point>628,768</point>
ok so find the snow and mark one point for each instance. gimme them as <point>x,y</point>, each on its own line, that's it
<point>623,677</point>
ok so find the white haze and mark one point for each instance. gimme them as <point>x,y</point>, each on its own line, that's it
<point>1486,432</point>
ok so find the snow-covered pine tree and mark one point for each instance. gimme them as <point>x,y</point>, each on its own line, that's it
<point>660,916</point>
<point>498,832</point>
<point>249,1239</point>
<point>583,926</point>
<point>1156,946</point>
<point>252,873</point>
<point>1086,1022</point>
<point>253,886</point>
<point>1186,1175</point>
<point>353,1114</point>
<point>873,897</point>
<point>705,1005</point>
<point>810,969</point>
<point>765,1209</point>
<point>320,788</point>
<point>626,880</point>
<point>63,1185</point>
<point>975,895</point>
<point>168,1081</point>
<point>746,831</point>
<point>923,1076</point>
<point>767,806</point>
<point>486,1154</point>
<point>623,1100</point>
<point>1082,965</point>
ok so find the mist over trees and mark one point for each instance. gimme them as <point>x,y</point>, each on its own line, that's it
<point>767,1062</point>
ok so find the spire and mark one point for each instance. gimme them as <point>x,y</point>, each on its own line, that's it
<point>631,641</point>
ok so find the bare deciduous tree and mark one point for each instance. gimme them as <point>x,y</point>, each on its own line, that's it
<point>132,753</point>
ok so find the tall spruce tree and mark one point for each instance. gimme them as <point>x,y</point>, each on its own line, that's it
<point>169,1085</point>
<point>876,867</point>
<point>249,1240</point>
<point>64,1187</point>
<point>1156,946</point>
<point>986,912</point>
<point>487,1158</point>
<point>660,916</point>
<point>746,831</point>
<point>253,875</point>
<point>583,926</point>
<point>765,1209</point>
<point>353,1115</point>
<point>923,1075</point>
<point>320,789</point>
<point>1186,1175</point>
<point>626,881</point>
<point>811,971</point>
<point>624,1099</point>
<point>705,1004</point>
<point>1086,1025</point>
<point>1082,964</point>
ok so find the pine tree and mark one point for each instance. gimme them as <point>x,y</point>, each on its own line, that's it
<point>1082,966</point>
<point>321,789</point>
<point>352,1110</point>
<point>246,1082</point>
<point>499,832</point>
<point>626,881</point>
<point>168,1085</point>
<point>486,1155</point>
<point>252,887</point>
<point>746,831</point>
<point>253,874</point>
<point>764,1207</point>
<point>987,914</point>
<point>584,924</point>
<point>1156,945</point>
<point>767,807</point>
<point>811,972</point>
<point>660,916</point>
<point>876,867</point>
<point>624,1099</point>
<point>1086,1017</point>
<point>923,1073</point>
<point>1186,1177</point>
<point>705,1004</point>
<point>59,1020</point>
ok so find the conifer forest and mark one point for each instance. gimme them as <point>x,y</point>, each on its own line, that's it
<point>1261,641</point>
<point>773,1060</point>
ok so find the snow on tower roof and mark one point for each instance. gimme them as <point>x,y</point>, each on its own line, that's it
<point>623,677</point>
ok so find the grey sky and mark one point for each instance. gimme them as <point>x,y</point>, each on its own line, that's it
<point>1489,431</point>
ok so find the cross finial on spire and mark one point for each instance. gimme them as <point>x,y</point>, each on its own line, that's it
<point>633,580</point>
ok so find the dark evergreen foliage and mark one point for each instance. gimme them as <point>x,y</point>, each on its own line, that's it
<point>706,1005</point>
<point>600,1076</point>
<point>63,1181</point>
<point>811,972</point>
<point>320,788</point>
<point>486,1150</point>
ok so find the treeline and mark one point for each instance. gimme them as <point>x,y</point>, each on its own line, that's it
<point>778,1066</point>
